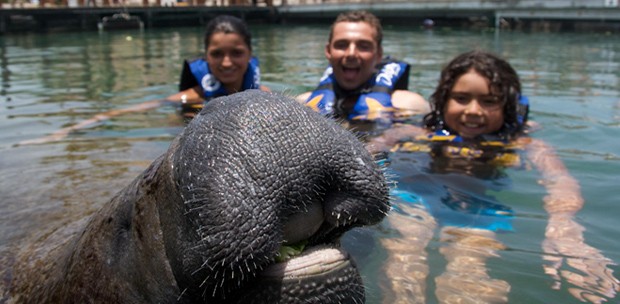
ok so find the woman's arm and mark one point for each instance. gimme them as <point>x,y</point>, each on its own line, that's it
<point>190,96</point>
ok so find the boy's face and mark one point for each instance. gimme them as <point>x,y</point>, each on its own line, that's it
<point>471,109</point>
<point>353,53</point>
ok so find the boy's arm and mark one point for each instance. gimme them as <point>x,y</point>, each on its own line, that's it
<point>568,258</point>
<point>390,137</point>
<point>563,191</point>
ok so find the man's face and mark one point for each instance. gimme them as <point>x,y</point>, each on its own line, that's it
<point>353,53</point>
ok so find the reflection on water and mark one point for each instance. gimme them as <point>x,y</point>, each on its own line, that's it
<point>454,193</point>
<point>55,80</point>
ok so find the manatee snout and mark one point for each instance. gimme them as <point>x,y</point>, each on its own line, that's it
<point>273,173</point>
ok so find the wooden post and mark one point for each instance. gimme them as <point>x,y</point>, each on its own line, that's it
<point>2,24</point>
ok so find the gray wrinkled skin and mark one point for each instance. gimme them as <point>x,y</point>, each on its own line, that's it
<point>204,222</point>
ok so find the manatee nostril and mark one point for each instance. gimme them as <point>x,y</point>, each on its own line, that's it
<point>303,224</point>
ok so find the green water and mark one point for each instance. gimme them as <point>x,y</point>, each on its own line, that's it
<point>54,80</point>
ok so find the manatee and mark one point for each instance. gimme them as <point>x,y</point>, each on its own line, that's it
<point>252,174</point>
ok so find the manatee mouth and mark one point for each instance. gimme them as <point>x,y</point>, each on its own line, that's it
<point>315,261</point>
<point>310,265</point>
<point>320,274</point>
<point>303,224</point>
<point>306,250</point>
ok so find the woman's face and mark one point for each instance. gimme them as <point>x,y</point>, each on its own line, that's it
<point>228,57</point>
<point>472,110</point>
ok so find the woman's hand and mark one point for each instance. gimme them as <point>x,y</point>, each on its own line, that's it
<point>64,132</point>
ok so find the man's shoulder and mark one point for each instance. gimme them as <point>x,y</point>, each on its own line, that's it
<point>301,98</point>
<point>407,100</point>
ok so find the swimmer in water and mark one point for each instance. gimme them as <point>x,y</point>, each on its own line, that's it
<point>477,107</point>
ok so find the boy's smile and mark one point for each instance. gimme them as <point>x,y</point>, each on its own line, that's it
<point>471,109</point>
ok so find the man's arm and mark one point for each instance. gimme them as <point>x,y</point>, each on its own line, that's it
<point>410,102</point>
<point>303,97</point>
<point>390,137</point>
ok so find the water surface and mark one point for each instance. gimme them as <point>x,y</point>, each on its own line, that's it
<point>50,81</point>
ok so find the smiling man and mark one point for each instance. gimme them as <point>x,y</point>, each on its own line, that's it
<point>358,83</point>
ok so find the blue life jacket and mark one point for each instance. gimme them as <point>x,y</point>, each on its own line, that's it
<point>212,87</point>
<point>523,109</point>
<point>374,99</point>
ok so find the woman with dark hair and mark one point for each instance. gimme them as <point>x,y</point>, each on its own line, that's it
<point>476,129</point>
<point>227,67</point>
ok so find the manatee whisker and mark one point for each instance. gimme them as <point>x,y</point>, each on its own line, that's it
<point>181,294</point>
<point>205,265</point>
<point>194,189</point>
<point>195,200</point>
<point>204,282</point>
<point>247,266</point>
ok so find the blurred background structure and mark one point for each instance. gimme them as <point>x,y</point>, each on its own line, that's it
<point>41,15</point>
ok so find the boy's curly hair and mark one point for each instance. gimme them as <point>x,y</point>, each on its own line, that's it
<point>503,82</point>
